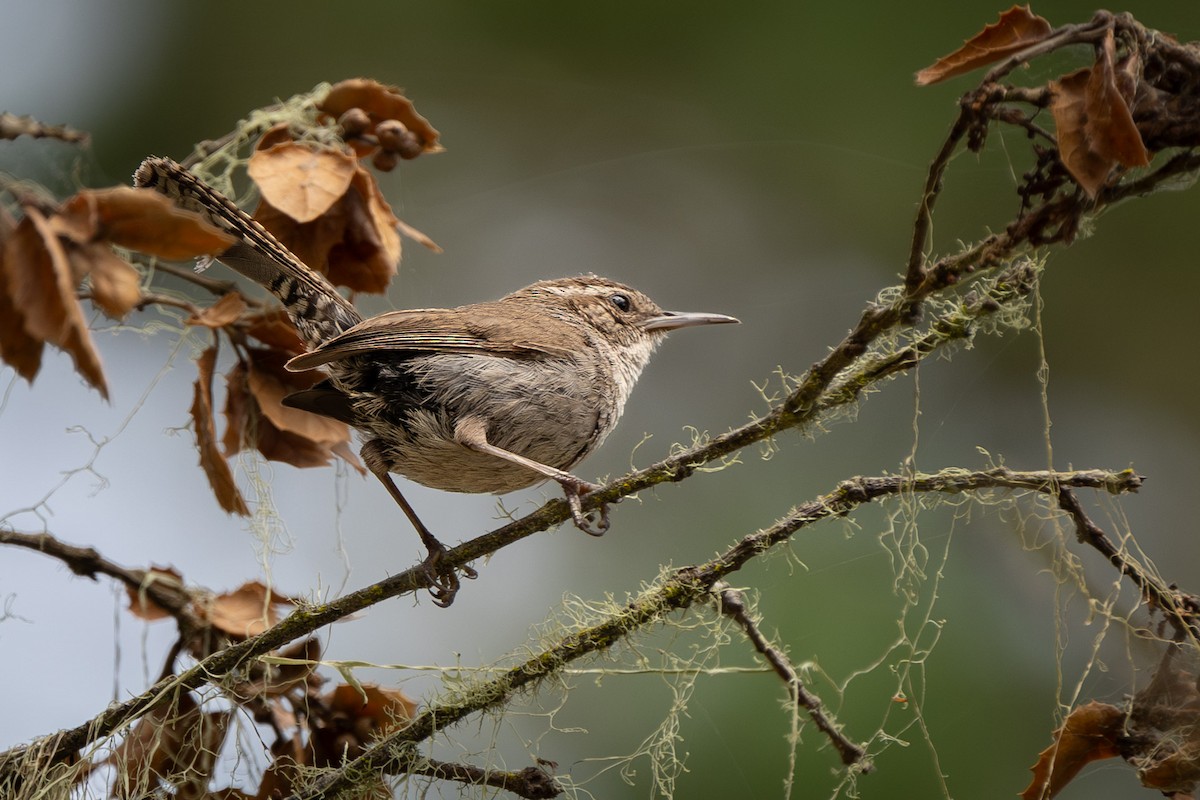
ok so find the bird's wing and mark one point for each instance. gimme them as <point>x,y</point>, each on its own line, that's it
<point>484,328</point>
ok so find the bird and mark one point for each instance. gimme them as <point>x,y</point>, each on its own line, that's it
<point>488,397</point>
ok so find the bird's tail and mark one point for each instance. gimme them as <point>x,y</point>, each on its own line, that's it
<point>315,306</point>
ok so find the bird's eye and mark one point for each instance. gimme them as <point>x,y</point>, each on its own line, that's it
<point>621,301</point>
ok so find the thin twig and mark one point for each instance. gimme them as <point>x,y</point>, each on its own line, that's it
<point>533,783</point>
<point>682,589</point>
<point>87,562</point>
<point>1182,610</point>
<point>732,603</point>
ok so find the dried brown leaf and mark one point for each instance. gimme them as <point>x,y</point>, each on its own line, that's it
<point>366,258</point>
<point>226,310</point>
<point>301,180</point>
<point>1111,131</point>
<point>43,286</point>
<point>355,243</point>
<point>275,680</point>
<point>248,422</point>
<point>1016,29</point>
<point>1069,107</point>
<point>270,382</point>
<point>220,477</point>
<point>177,743</point>
<point>239,406</point>
<point>386,709</point>
<point>1089,733</point>
<point>146,221</point>
<point>274,328</point>
<point>380,102</point>
<point>18,348</point>
<point>116,285</point>
<point>140,604</point>
<point>247,611</point>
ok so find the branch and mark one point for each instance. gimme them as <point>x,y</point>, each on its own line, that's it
<point>732,603</point>
<point>1182,610</point>
<point>396,752</point>
<point>87,562</point>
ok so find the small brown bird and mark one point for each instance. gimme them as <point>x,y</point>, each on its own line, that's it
<point>489,397</point>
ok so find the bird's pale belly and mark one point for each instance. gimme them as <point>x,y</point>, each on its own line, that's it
<point>537,414</point>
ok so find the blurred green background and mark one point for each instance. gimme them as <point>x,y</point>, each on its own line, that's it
<point>759,159</point>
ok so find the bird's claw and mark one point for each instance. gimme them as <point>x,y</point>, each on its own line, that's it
<point>594,522</point>
<point>443,579</point>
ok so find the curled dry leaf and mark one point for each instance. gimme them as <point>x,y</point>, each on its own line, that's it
<point>140,603</point>
<point>272,680</point>
<point>146,221</point>
<point>270,382</point>
<point>1110,127</point>
<point>177,743</point>
<point>1016,29</point>
<point>247,426</point>
<point>1090,732</point>
<point>1069,107</point>
<point>274,328</point>
<point>255,416</point>
<point>301,180</point>
<point>247,611</point>
<point>356,715</point>
<point>354,243</point>
<point>116,285</point>
<point>381,103</point>
<point>18,348</point>
<point>1094,126</point>
<point>228,309</point>
<point>42,284</point>
<point>215,467</point>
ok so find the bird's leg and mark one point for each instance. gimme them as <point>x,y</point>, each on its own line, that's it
<point>472,432</point>
<point>443,580</point>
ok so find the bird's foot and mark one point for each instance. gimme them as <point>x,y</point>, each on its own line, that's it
<point>442,577</point>
<point>594,522</point>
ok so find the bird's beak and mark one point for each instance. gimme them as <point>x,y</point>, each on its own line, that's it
<point>670,320</point>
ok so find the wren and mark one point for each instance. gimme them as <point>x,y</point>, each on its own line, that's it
<point>489,397</point>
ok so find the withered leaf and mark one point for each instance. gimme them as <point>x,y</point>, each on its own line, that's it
<point>274,328</point>
<point>366,258</point>
<point>380,102</point>
<point>1111,131</point>
<point>140,603</point>
<point>42,283</point>
<point>116,285</point>
<point>386,709</point>
<point>18,349</point>
<point>354,243</point>
<point>247,426</point>
<point>1089,733</point>
<point>301,180</point>
<point>272,680</point>
<point>246,611</point>
<point>146,221</point>
<point>215,467</point>
<point>1016,29</point>
<point>1069,107</point>
<point>177,743</point>
<point>226,310</point>
<point>270,382</point>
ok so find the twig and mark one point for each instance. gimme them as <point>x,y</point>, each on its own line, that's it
<point>216,286</point>
<point>732,603</point>
<point>1182,610</point>
<point>87,562</point>
<point>533,783</point>
<point>682,589</point>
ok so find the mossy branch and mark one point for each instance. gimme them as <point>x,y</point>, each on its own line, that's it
<point>680,590</point>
